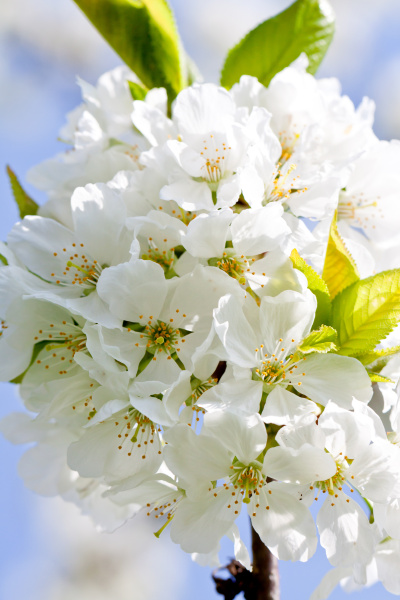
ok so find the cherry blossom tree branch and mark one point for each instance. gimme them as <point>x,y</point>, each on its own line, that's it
<point>265,580</point>
<point>260,584</point>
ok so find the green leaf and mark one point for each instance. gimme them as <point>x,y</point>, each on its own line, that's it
<point>318,287</point>
<point>144,34</point>
<point>323,340</point>
<point>370,357</point>
<point>138,92</point>
<point>378,378</point>
<point>306,26</point>
<point>26,205</point>
<point>366,312</point>
<point>3,260</point>
<point>192,71</point>
<point>340,270</point>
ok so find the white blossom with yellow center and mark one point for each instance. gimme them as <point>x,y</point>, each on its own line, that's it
<point>265,339</point>
<point>221,469</point>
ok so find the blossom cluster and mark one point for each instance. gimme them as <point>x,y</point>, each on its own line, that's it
<point>166,341</point>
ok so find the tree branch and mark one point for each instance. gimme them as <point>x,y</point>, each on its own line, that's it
<point>265,581</point>
<point>260,584</point>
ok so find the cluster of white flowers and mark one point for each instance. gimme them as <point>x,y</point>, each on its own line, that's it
<point>158,329</point>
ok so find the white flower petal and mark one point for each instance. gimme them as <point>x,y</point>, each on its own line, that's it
<point>283,407</point>
<point>196,458</point>
<point>259,230</point>
<point>244,436</point>
<point>286,526</point>
<point>333,377</point>
<point>207,234</point>
<point>241,397</point>
<point>199,525</point>
<point>302,466</point>
<point>133,289</point>
<point>345,532</point>
<point>235,332</point>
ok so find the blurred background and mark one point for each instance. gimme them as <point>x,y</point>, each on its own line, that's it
<point>48,551</point>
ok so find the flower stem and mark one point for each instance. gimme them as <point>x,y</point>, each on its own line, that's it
<point>265,580</point>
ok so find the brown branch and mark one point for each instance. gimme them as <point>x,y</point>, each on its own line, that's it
<point>265,581</point>
<point>260,584</point>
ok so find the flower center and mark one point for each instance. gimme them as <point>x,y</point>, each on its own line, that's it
<point>283,185</point>
<point>246,478</point>
<point>278,368</point>
<point>233,265</point>
<point>362,211</point>
<point>64,342</point>
<point>334,485</point>
<point>136,431</point>
<point>161,336</point>
<point>288,143</point>
<point>80,269</point>
<point>164,258</point>
<point>336,482</point>
<point>199,387</point>
<point>215,153</point>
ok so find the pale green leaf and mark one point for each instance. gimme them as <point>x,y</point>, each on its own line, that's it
<point>340,270</point>
<point>318,287</point>
<point>370,357</point>
<point>306,26</point>
<point>26,205</point>
<point>366,312</point>
<point>323,340</point>
<point>375,377</point>
<point>144,34</point>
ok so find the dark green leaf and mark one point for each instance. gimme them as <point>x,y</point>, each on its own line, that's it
<point>306,26</point>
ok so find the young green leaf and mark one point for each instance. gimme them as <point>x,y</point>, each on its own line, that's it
<point>323,340</point>
<point>138,92</point>
<point>375,377</point>
<point>370,357</point>
<point>318,287</point>
<point>26,205</point>
<point>306,26</point>
<point>366,312</point>
<point>340,270</point>
<point>144,34</point>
